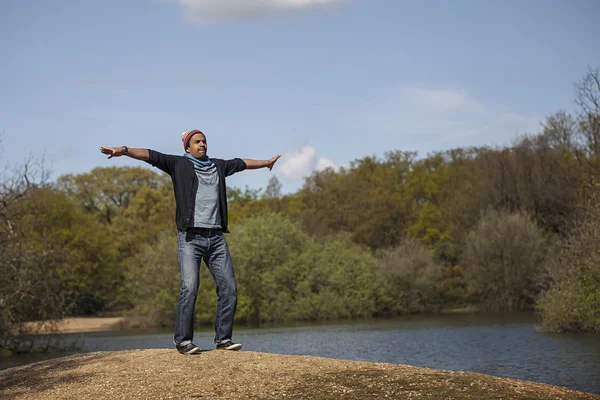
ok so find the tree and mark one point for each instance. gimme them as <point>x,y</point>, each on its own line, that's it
<point>572,300</point>
<point>409,279</point>
<point>244,203</point>
<point>113,200</point>
<point>105,191</point>
<point>338,281</point>
<point>503,260</point>
<point>30,288</point>
<point>265,250</point>
<point>587,96</point>
<point>85,254</point>
<point>153,281</point>
<point>273,190</point>
<point>368,200</point>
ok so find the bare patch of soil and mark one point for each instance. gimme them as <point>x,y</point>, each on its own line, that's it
<point>81,324</point>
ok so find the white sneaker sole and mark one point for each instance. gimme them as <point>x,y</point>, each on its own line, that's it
<point>195,350</point>
<point>236,346</point>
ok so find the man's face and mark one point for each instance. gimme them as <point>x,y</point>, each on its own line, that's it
<point>197,146</point>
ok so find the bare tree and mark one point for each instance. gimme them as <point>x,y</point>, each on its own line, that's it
<point>587,97</point>
<point>587,92</point>
<point>580,135</point>
<point>561,131</point>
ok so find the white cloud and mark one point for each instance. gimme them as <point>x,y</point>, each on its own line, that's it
<point>298,163</point>
<point>440,100</point>
<point>301,162</point>
<point>324,163</point>
<point>436,118</point>
<point>222,10</point>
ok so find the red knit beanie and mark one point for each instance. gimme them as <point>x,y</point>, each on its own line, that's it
<point>187,135</point>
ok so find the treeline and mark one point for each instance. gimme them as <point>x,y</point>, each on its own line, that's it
<point>512,228</point>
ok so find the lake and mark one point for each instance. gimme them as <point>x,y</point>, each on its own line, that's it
<point>506,345</point>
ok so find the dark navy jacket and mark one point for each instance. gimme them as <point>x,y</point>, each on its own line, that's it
<point>185,183</point>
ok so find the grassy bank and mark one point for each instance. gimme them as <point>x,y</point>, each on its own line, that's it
<point>164,374</point>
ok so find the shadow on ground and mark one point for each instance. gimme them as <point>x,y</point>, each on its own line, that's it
<point>376,384</point>
<point>45,375</point>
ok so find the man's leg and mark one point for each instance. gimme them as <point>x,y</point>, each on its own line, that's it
<point>219,263</point>
<point>190,251</point>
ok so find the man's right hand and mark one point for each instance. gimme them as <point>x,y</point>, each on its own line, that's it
<point>113,151</point>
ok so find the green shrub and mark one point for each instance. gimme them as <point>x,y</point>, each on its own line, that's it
<point>573,301</point>
<point>571,305</point>
<point>284,274</point>
<point>409,278</point>
<point>503,260</point>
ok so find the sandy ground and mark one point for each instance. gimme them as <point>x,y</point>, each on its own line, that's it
<point>79,325</point>
<point>165,374</point>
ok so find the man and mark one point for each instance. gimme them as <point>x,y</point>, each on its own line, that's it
<point>201,218</point>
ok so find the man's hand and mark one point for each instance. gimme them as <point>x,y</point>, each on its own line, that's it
<point>272,161</point>
<point>113,151</point>
<point>256,164</point>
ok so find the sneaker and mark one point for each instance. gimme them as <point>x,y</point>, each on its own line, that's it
<point>189,348</point>
<point>229,345</point>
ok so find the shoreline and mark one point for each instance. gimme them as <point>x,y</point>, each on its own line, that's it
<point>127,323</point>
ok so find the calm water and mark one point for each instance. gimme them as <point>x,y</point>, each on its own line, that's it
<point>500,345</point>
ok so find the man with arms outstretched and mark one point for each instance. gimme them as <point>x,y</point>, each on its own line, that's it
<point>201,218</point>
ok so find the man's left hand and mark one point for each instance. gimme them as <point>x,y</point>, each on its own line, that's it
<point>272,161</point>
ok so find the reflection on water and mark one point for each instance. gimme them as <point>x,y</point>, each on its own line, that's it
<point>506,345</point>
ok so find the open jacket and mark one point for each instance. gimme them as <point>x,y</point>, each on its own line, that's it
<point>185,183</point>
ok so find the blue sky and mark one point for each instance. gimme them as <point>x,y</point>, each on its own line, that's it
<point>322,81</point>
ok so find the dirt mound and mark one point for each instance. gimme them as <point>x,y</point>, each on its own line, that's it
<point>165,374</point>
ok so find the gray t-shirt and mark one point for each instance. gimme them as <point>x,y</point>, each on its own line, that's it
<point>206,210</point>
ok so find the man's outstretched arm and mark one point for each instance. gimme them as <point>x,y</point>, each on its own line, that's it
<point>256,164</point>
<point>138,154</point>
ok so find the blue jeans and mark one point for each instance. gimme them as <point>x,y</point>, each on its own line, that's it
<point>192,249</point>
